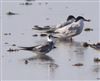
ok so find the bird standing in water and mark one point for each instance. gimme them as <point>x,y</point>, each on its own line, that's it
<point>71,30</point>
<point>69,20</point>
<point>42,49</point>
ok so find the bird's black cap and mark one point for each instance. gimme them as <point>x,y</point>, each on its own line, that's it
<point>80,17</point>
<point>70,17</point>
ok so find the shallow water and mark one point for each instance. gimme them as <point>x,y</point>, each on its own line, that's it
<point>58,64</point>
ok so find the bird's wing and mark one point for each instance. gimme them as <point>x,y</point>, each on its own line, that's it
<point>41,28</point>
<point>73,27</point>
<point>64,24</point>
<point>43,48</point>
<point>63,29</point>
<point>38,47</point>
<point>71,30</point>
<point>29,48</point>
<point>60,30</point>
<point>37,28</point>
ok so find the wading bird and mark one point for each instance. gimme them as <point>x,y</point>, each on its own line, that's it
<point>42,49</point>
<point>71,30</point>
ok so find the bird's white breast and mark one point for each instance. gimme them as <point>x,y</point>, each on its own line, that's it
<point>81,25</point>
<point>63,29</point>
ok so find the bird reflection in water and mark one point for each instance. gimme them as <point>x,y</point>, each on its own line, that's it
<point>78,50</point>
<point>44,60</point>
<point>52,69</point>
<point>41,57</point>
<point>96,70</point>
<point>75,49</point>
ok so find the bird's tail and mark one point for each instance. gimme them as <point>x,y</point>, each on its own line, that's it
<point>41,28</point>
<point>26,48</point>
<point>37,28</point>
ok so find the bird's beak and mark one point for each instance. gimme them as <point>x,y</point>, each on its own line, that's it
<point>88,20</point>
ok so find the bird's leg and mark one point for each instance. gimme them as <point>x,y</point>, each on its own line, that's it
<point>54,47</point>
<point>71,39</point>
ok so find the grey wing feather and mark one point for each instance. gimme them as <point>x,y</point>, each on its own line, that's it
<point>72,31</point>
<point>43,48</point>
<point>64,24</point>
<point>29,48</point>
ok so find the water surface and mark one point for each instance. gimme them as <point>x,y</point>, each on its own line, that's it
<point>63,57</point>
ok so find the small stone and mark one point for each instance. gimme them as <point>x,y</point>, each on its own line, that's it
<point>11,13</point>
<point>12,50</point>
<point>85,44</point>
<point>26,61</point>
<point>78,64</point>
<point>88,29</point>
<point>13,44</point>
<point>6,42</point>
<point>43,35</point>
<point>35,35</point>
<point>96,60</point>
<point>5,34</point>
<point>27,3</point>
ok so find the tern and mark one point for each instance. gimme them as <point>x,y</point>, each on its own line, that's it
<point>69,20</point>
<point>71,30</point>
<point>42,49</point>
